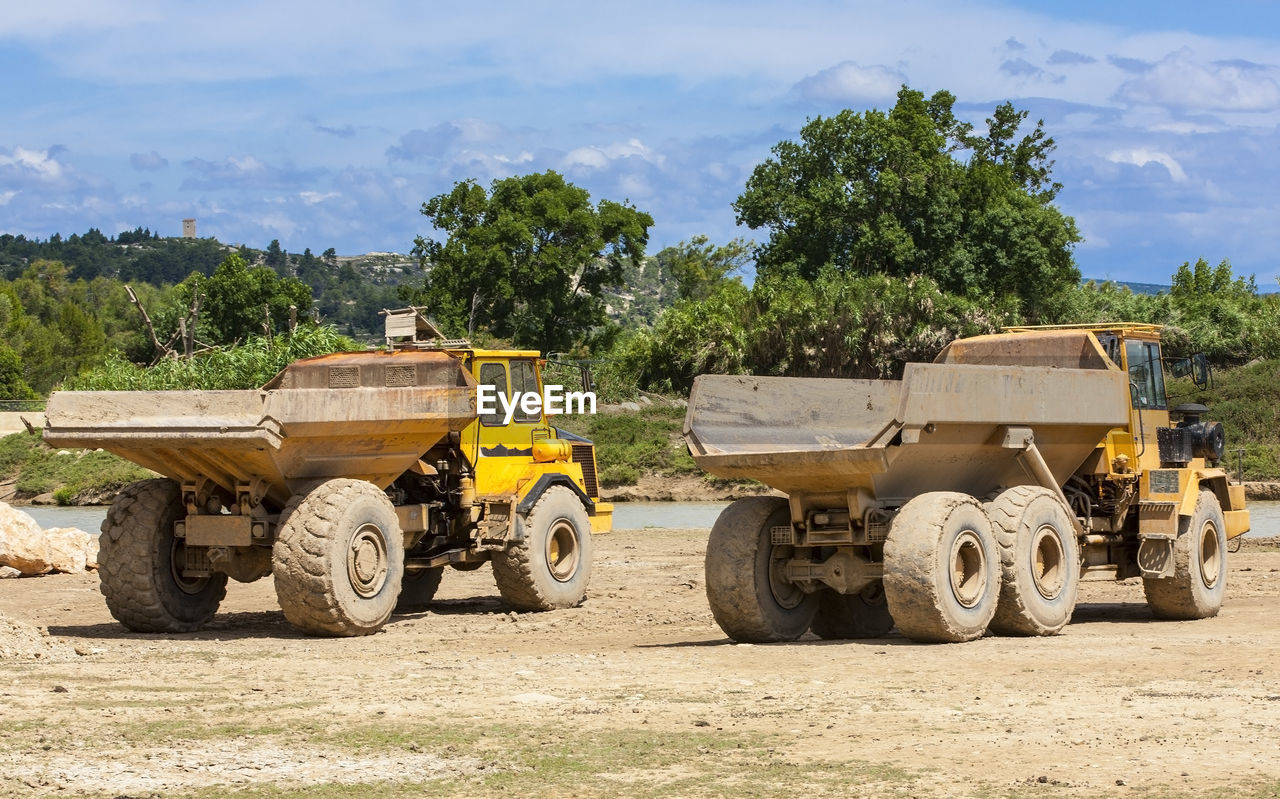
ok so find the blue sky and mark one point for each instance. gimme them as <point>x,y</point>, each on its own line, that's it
<point>327,124</point>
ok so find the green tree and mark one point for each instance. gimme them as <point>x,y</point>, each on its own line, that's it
<point>237,299</point>
<point>698,267</point>
<point>885,193</point>
<point>13,386</point>
<point>276,258</point>
<point>528,260</point>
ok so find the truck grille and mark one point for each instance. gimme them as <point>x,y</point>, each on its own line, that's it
<point>585,455</point>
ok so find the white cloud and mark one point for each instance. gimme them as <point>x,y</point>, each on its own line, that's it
<point>850,82</point>
<point>37,163</point>
<point>6,196</point>
<point>598,157</point>
<point>1180,81</point>
<point>314,197</point>
<point>1141,157</point>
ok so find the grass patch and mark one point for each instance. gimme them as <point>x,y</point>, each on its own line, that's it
<point>39,469</point>
<point>632,444</point>
<point>550,760</point>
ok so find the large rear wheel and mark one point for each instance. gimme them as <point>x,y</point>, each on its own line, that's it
<point>417,589</point>
<point>338,559</point>
<point>750,597</point>
<point>1199,580</point>
<point>1039,562</point>
<point>941,564</point>
<point>140,563</point>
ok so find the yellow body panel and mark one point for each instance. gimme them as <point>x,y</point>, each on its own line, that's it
<point>503,453</point>
<point>602,519</point>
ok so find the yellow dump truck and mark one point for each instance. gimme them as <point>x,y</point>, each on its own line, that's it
<point>352,478</point>
<point>973,494</point>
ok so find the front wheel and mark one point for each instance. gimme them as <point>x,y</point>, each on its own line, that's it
<point>1199,581</point>
<point>141,563</point>
<point>549,564</point>
<point>750,597</point>
<point>338,559</point>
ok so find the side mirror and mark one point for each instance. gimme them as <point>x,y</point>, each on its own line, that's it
<point>1196,367</point>
<point>1201,374</point>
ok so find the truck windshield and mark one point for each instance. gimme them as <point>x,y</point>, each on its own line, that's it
<point>1146,380</point>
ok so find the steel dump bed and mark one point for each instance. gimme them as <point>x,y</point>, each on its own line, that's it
<point>367,416</point>
<point>944,425</point>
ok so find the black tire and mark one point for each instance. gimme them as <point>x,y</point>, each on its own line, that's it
<point>1039,562</point>
<point>549,565</point>
<point>1199,581</point>
<point>418,588</point>
<point>749,599</point>
<point>942,568</point>
<point>140,563</point>
<point>338,559</point>
<point>861,615</point>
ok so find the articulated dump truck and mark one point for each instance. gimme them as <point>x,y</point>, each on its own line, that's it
<point>973,494</point>
<point>353,479</point>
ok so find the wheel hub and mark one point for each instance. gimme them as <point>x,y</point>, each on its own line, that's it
<point>563,552</point>
<point>178,564</point>
<point>1048,562</point>
<point>787,594</point>
<point>367,561</point>
<point>1210,555</point>
<point>968,569</point>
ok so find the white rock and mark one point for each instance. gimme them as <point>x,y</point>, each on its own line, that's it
<point>22,543</point>
<point>7,572</point>
<point>71,550</point>
<point>30,550</point>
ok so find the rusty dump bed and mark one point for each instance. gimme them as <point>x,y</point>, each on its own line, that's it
<point>361,415</point>
<point>942,427</point>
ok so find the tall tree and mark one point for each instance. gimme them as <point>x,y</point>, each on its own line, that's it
<point>885,192</point>
<point>527,260</point>
<point>698,267</point>
<point>237,299</point>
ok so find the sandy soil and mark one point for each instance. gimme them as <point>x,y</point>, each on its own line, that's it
<point>637,693</point>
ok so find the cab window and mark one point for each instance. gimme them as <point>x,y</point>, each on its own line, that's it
<point>1146,380</point>
<point>493,374</point>
<point>524,380</point>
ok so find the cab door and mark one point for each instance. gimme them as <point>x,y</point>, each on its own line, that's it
<point>512,378</point>
<point>1150,407</point>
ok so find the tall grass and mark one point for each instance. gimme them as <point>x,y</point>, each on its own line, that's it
<point>247,365</point>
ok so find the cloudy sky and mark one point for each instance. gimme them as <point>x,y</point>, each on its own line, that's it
<point>327,124</point>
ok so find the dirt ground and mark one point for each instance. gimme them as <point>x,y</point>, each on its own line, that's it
<point>637,693</point>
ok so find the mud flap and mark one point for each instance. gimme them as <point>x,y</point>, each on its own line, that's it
<point>1155,556</point>
<point>498,526</point>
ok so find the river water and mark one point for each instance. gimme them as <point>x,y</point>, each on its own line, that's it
<point>626,516</point>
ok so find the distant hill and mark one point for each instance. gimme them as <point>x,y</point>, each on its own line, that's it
<point>1136,288</point>
<point>1159,288</point>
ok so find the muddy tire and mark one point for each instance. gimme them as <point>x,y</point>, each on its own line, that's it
<point>140,563</point>
<point>942,568</point>
<point>549,566</point>
<point>1039,562</point>
<point>748,597</point>
<point>338,559</point>
<point>417,589</point>
<point>861,615</point>
<point>1199,580</point>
